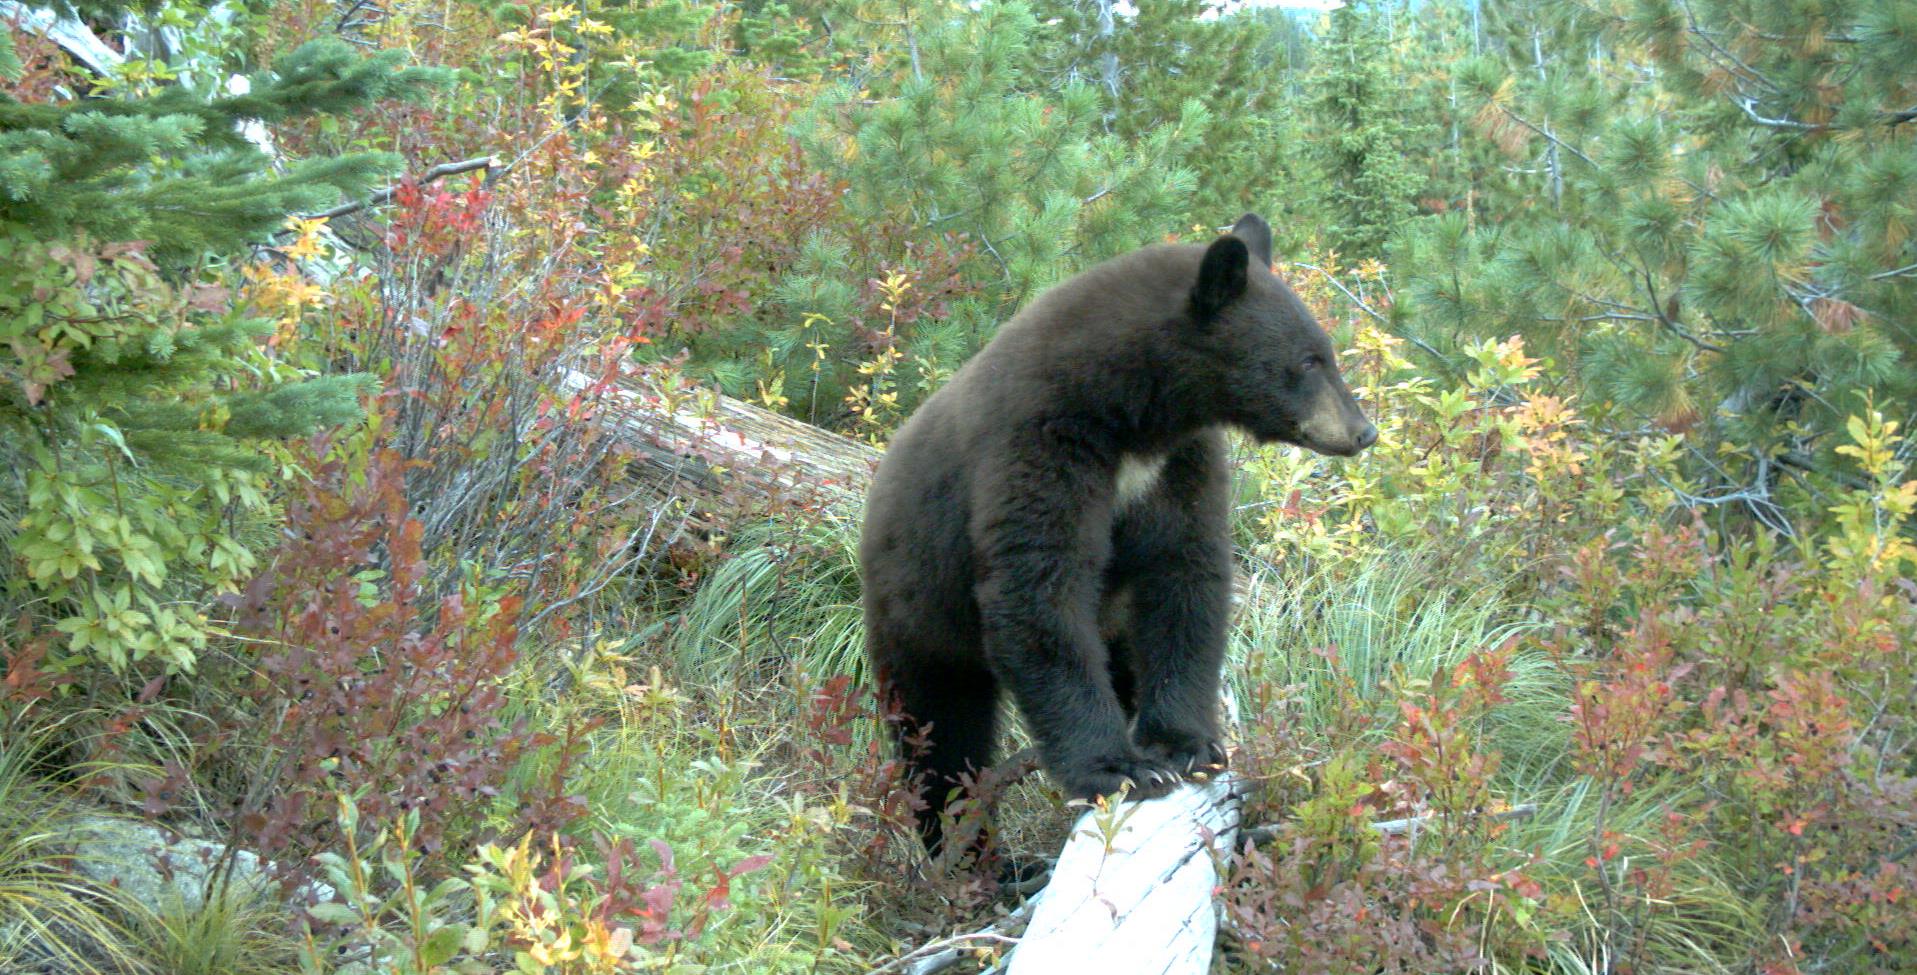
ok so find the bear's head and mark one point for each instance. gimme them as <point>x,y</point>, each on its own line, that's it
<point>1277,374</point>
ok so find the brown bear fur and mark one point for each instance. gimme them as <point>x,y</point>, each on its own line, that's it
<point>1054,521</point>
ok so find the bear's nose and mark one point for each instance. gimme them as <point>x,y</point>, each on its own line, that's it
<point>1367,436</point>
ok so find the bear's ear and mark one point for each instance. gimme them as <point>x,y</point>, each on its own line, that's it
<point>1256,233</point>
<point>1221,275</point>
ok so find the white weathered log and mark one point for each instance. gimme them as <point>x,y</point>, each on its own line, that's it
<point>74,37</point>
<point>1139,901</point>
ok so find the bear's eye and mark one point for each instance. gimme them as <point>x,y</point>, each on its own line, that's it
<point>1310,363</point>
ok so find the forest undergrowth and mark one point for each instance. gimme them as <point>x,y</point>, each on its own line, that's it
<point>328,539</point>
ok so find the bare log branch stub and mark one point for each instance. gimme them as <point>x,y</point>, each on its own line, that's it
<point>382,197</point>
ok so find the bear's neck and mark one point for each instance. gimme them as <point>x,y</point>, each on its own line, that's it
<point>1150,403</point>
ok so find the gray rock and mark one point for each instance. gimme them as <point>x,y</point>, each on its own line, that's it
<point>164,871</point>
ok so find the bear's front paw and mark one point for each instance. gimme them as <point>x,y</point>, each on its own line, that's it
<point>1146,778</point>
<point>1187,753</point>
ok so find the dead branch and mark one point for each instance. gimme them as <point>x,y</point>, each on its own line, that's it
<point>1132,890</point>
<point>382,197</point>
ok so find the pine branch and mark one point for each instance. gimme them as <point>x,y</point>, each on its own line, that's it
<point>1703,35</point>
<point>1553,139</point>
<point>1657,309</point>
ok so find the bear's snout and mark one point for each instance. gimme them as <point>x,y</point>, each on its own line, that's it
<point>1367,436</point>
<point>1337,426</point>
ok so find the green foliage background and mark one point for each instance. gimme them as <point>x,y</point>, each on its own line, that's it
<point>331,538</point>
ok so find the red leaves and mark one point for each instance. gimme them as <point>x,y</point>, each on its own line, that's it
<point>433,221</point>
<point>651,900</point>
<point>378,689</point>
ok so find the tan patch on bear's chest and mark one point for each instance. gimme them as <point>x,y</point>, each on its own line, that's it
<point>1137,476</point>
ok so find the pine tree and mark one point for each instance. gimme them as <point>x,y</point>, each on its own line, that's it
<point>1148,62</point>
<point>1362,138</point>
<point>135,399</point>
<point>963,142</point>
<point>949,138</point>
<point>1706,209</point>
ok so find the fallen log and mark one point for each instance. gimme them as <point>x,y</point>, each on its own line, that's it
<point>1132,891</point>
<point>709,446</point>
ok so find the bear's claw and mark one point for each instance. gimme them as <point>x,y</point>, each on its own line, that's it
<point>1205,755</point>
<point>1140,777</point>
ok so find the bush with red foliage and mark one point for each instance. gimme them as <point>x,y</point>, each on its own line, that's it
<point>367,686</point>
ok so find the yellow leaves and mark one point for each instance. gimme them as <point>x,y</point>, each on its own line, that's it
<point>1541,425</point>
<point>284,295</point>
<point>1873,442</point>
<point>1546,415</point>
<point>1511,355</point>
<point>771,391</point>
<point>653,104</point>
<point>875,404</point>
<point>287,295</point>
<point>1871,538</point>
<point>1379,347</point>
<point>307,244</point>
<point>893,290</point>
<point>1502,364</point>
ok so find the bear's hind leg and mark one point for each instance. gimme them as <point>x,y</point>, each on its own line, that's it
<point>954,710</point>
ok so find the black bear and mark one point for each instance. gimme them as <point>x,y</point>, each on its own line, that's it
<point>1054,520</point>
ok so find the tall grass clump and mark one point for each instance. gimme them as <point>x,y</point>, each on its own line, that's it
<point>234,930</point>
<point>786,596</point>
<point>1345,640</point>
<point>52,916</point>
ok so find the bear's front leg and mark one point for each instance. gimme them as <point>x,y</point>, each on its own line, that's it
<point>1042,538</point>
<point>1175,555</point>
<point>1179,630</point>
<point>1055,668</point>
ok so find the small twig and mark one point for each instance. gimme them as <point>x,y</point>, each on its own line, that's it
<point>1424,346</point>
<point>1749,105</point>
<point>1367,309</point>
<point>1393,827</point>
<point>386,195</point>
<point>943,953</point>
<point>1554,140</point>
